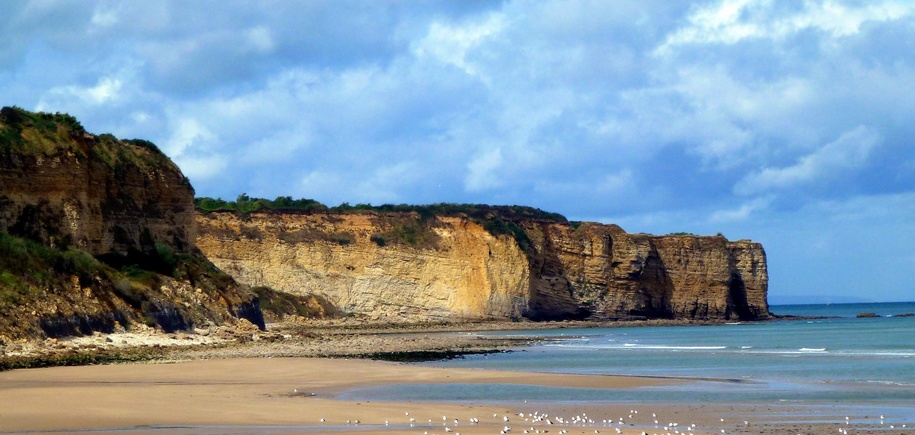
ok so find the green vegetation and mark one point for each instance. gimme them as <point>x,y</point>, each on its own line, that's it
<point>245,204</point>
<point>40,133</point>
<point>29,132</point>
<point>416,231</point>
<point>32,273</point>
<point>26,266</point>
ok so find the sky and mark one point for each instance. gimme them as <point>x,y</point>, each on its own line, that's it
<point>788,123</point>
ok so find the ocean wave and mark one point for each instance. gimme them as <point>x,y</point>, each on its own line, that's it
<point>670,347</point>
<point>585,345</point>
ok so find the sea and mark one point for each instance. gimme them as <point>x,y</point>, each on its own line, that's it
<point>828,357</point>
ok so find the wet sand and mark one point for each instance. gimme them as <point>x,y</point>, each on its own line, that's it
<point>293,395</point>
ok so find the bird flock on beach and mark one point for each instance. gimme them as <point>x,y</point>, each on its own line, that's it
<point>543,423</point>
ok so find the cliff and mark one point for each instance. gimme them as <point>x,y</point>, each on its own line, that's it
<point>408,265</point>
<point>65,187</point>
<point>601,271</point>
<point>97,233</point>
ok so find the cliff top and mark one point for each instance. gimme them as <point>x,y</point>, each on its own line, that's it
<point>285,204</point>
<point>46,134</point>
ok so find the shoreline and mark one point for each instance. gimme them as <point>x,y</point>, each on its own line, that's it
<point>297,337</point>
<point>283,381</point>
<point>303,395</point>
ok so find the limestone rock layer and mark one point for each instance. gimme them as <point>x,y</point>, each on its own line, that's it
<point>63,187</point>
<point>460,270</point>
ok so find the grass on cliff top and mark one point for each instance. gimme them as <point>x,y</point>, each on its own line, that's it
<point>496,219</point>
<point>39,133</point>
<point>245,205</point>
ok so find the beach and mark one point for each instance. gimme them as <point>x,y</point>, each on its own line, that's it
<point>328,377</point>
<point>258,388</point>
<point>297,395</point>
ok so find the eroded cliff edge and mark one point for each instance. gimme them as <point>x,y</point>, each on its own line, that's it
<point>403,265</point>
<point>98,233</point>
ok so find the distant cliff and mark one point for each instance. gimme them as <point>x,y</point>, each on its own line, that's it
<point>409,264</point>
<point>97,232</point>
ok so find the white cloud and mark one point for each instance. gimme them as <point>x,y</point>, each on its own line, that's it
<point>850,151</point>
<point>259,39</point>
<point>385,184</point>
<point>482,171</point>
<point>106,91</point>
<point>199,168</point>
<point>454,44</point>
<point>741,213</point>
<point>732,21</point>
<point>188,135</point>
<point>105,16</point>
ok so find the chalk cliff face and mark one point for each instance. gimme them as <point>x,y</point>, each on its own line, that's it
<point>97,232</point>
<point>469,274</point>
<point>462,271</point>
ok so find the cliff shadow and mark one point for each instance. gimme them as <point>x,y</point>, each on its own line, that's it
<point>552,292</point>
<point>655,290</point>
<point>737,299</point>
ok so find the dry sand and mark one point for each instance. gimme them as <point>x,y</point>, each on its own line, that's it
<point>293,395</point>
<point>240,380</point>
<point>254,392</point>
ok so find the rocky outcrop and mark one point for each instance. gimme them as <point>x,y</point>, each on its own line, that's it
<point>65,187</point>
<point>458,269</point>
<point>98,233</point>
<point>601,271</point>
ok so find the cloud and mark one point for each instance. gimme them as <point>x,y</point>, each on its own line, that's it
<point>751,117</point>
<point>847,153</point>
<point>453,44</point>
<point>741,213</point>
<point>733,21</point>
<point>106,91</point>
<point>188,133</point>
<point>202,167</point>
<point>483,171</point>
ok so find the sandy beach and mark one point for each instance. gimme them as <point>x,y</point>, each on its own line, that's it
<point>241,380</point>
<point>253,392</point>
<point>298,395</point>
